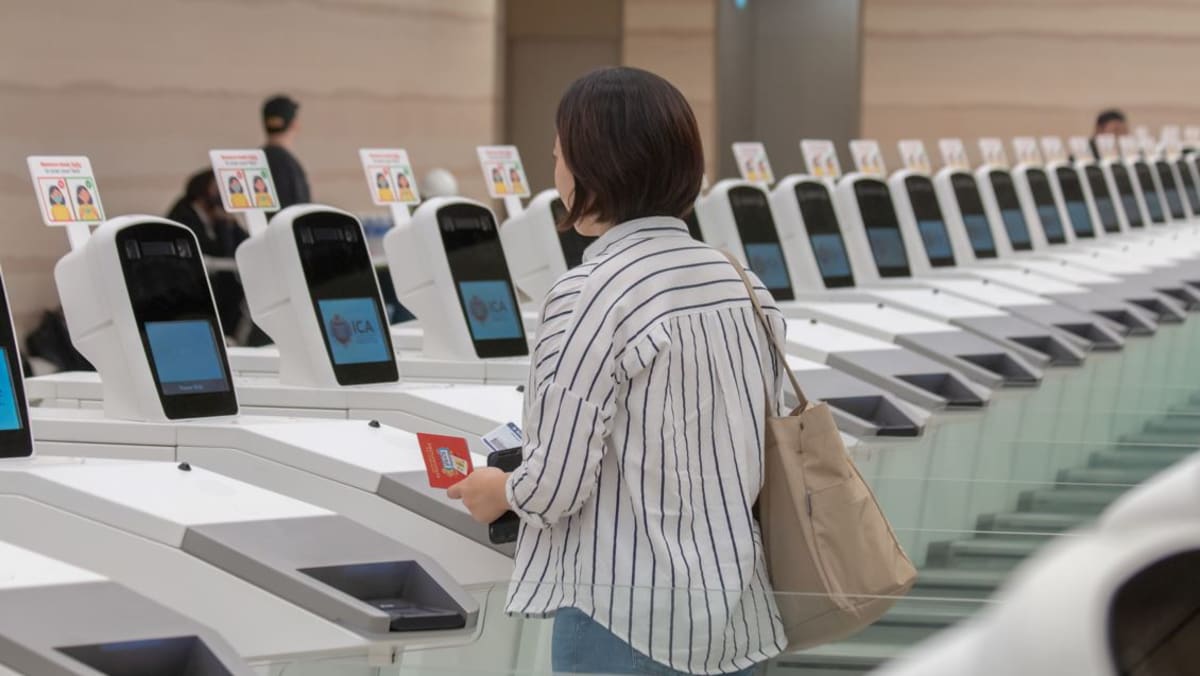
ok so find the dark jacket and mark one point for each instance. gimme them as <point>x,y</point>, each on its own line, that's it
<point>291,184</point>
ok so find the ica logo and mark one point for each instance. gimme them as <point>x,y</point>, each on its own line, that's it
<point>482,309</point>
<point>344,330</point>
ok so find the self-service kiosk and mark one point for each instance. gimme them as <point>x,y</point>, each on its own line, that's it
<point>814,279</point>
<point>1013,237</point>
<point>876,243</point>
<point>320,580</point>
<point>538,253</point>
<point>58,619</point>
<point>309,281</point>
<point>936,250</point>
<point>1046,223</point>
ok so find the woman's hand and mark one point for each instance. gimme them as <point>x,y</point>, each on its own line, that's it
<point>482,493</point>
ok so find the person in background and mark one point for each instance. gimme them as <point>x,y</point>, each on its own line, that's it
<point>644,411</point>
<point>281,125</point>
<point>200,210</point>
<point>1111,121</point>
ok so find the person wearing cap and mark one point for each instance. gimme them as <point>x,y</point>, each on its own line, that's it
<point>280,124</point>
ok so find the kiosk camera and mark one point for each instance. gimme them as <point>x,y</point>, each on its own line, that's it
<point>138,306</point>
<point>805,205</point>
<point>448,267</point>
<point>737,211</point>
<point>876,243</point>
<point>325,314</point>
<point>63,620</point>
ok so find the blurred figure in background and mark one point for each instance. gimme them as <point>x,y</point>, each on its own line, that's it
<point>280,124</point>
<point>1111,121</point>
<point>200,210</point>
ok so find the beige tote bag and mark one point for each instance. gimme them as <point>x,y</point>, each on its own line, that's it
<point>833,559</point>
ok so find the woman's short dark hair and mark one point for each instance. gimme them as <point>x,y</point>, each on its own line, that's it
<point>631,142</point>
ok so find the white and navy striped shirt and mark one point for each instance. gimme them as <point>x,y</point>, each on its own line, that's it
<point>643,452</point>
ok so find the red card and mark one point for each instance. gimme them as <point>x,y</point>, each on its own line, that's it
<point>447,459</point>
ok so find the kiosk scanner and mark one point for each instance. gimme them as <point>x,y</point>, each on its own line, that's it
<point>737,216</point>
<point>1049,235</point>
<point>309,281</point>
<point>59,620</point>
<point>138,306</point>
<point>882,255</point>
<point>927,224</point>
<point>821,262</point>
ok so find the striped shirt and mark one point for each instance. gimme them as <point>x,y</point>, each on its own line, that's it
<point>643,452</point>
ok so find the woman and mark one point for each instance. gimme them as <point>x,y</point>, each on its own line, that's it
<point>59,211</point>
<point>87,207</point>
<point>237,194</point>
<point>262,198</point>
<point>644,411</point>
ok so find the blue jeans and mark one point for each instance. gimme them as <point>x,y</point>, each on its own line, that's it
<point>583,646</point>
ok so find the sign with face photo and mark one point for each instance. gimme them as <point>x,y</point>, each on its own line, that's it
<point>914,156</point>
<point>502,171</point>
<point>66,190</point>
<point>953,153</point>
<point>992,150</point>
<point>244,180</point>
<point>389,176</point>
<point>753,163</point>
<point>867,158</point>
<point>820,156</point>
<point>1026,150</point>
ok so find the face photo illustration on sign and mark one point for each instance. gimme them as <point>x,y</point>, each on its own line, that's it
<point>503,171</point>
<point>244,180</point>
<point>389,176</point>
<point>66,190</point>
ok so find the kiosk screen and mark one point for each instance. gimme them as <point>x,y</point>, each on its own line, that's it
<point>824,235</point>
<point>756,227</point>
<point>1189,184</point>
<point>1129,203</point>
<point>1170,190</point>
<point>883,231</point>
<point>1077,211</point>
<point>345,296</point>
<point>173,307</point>
<point>482,281</point>
<point>1010,210</point>
<point>570,240</point>
<point>979,231</point>
<point>1104,204</point>
<point>1043,199</point>
<point>1149,192</point>
<point>15,440</point>
<point>930,223</point>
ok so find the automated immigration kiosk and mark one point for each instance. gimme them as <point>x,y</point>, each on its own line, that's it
<point>932,242</point>
<point>159,363</point>
<point>815,251</point>
<point>321,580</point>
<point>861,409</point>
<point>60,620</point>
<point>944,224</point>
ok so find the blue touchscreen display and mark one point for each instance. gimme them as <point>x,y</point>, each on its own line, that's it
<point>10,418</point>
<point>1014,224</point>
<point>1108,214</point>
<point>1051,224</point>
<point>1081,221</point>
<point>887,247</point>
<point>490,309</point>
<point>937,241</point>
<point>830,254</point>
<point>766,260</point>
<point>980,233</point>
<point>353,331</point>
<point>185,357</point>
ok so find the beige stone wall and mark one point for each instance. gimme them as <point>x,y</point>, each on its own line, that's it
<point>146,87</point>
<point>678,40</point>
<point>971,68</point>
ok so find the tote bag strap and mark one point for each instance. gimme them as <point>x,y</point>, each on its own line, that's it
<point>776,347</point>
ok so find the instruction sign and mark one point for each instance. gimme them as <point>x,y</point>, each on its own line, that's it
<point>1191,136</point>
<point>1053,150</point>
<point>914,157</point>
<point>503,171</point>
<point>867,158</point>
<point>1172,141</point>
<point>1080,148</point>
<point>1026,150</point>
<point>992,150</point>
<point>66,190</point>
<point>753,163</point>
<point>821,158</point>
<point>1130,148</point>
<point>1106,145</point>
<point>244,180</point>
<point>954,154</point>
<point>389,176</point>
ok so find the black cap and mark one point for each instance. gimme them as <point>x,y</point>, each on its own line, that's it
<point>278,113</point>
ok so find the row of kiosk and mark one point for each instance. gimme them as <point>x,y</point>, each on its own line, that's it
<point>279,495</point>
